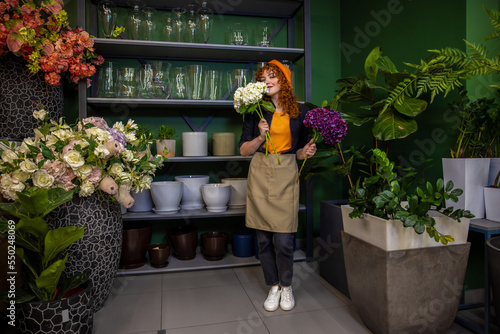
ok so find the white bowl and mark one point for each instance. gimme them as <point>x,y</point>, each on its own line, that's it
<point>191,194</point>
<point>166,195</point>
<point>216,196</point>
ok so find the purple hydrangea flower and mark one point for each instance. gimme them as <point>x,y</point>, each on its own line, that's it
<point>328,123</point>
<point>118,136</point>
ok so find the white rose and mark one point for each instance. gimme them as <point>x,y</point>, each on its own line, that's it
<point>86,189</point>
<point>74,159</point>
<point>124,178</point>
<point>116,169</point>
<point>28,166</point>
<point>17,187</point>
<point>39,114</point>
<point>51,140</point>
<point>101,151</point>
<point>9,156</point>
<point>20,176</point>
<point>127,155</point>
<point>42,179</point>
<point>84,171</point>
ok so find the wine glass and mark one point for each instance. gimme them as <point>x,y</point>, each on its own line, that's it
<point>205,22</point>
<point>107,17</point>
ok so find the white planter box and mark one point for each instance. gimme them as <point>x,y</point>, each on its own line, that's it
<point>494,168</point>
<point>392,235</point>
<point>492,203</point>
<point>470,175</point>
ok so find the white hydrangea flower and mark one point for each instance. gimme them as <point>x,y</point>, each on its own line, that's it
<point>250,94</point>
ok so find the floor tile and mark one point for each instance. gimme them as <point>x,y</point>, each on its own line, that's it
<point>202,306</point>
<point>129,313</point>
<point>136,284</point>
<point>249,274</point>
<point>337,320</point>
<point>253,326</point>
<point>199,279</point>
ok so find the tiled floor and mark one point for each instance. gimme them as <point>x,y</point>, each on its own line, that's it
<point>225,301</point>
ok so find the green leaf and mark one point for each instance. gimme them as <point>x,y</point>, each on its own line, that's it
<point>57,197</point>
<point>411,221</point>
<point>385,64</point>
<point>419,227</point>
<point>449,185</point>
<point>59,239</point>
<point>71,283</point>
<point>371,67</point>
<point>49,278</point>
<point>410,106</point>
<point>35,202</point>
<point>391,125</point>
<point>430,189</point>
<point>47,152</point>
<point>357,118</point>
<point>36,226</point>
<point>15,209</point>
<point>268,106</point>
<point>439,184</point>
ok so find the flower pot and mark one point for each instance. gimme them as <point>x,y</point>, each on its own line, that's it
<point>184,240</point>
<point>243,243</point>
<point>194,144</point>
<point>158,255</point>
<point>191,192</point>
<point>493,248</point>
<point>494,168</point>
<point>492,203</point>
<point>238,198</point>
<point>470,175</point>
<point>223,143</point>
<point>143,202</point>
<point>213,245</point>
<point>166,196</point>
<point>216,196</point>
<point>169,144</point>
<point>136,238</point>
<point>72,315</point>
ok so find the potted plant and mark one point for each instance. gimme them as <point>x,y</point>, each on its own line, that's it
<point>165,145</point>
<point>386,261</point>
<point>45,296</point>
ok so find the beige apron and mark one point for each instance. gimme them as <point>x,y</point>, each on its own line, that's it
<point>272,193</point>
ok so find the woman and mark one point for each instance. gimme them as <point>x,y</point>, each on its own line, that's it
<point>272,190</point>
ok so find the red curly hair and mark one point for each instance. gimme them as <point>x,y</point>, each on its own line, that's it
<point>286,99</point>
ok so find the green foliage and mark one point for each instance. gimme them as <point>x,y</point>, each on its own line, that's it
<point>41,249</point>
<point>382,193</point>
<point>165,132</point>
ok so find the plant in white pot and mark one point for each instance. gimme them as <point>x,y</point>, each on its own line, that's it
<point>387,262</point>
<point>165,145</point>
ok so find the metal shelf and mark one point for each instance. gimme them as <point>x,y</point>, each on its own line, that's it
<point>125,48</point>
<point>210,158</point>
<point>107,103</point>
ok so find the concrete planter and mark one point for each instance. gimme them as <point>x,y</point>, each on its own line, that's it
<point>405,291</point>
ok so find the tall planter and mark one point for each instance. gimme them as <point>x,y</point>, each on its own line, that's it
<point>97,253</point>
<point>471,175</point>
<point>493,245</point>
<point>20,93</point>
<point>72,315</point>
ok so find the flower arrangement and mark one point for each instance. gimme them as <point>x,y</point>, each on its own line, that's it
<point>39,32</point>
<point>325,123</point>
<point>83,158</point>
<point>248,100</point>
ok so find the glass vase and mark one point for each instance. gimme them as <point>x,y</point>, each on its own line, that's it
<point>134,21</point>
<point>148,24</point>
<point>107,17</point>
<point>205,22</point>
<point>191,31</point>
<point>178,23</point>
<point>168,28</point>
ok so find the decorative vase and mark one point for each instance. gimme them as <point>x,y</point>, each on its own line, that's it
<point>136,238</point>
<point>20,93</point>
<point>223,143</point>
<point>184,240</point>
<point>97,253</point>
<point>72,315</point>
<point>194,144</point>
<point>168,144</point>
<point>213,245</point>
<point>158,255</point>
<point>191,192</point>
<point>166,196</point>
<point>238,197</point>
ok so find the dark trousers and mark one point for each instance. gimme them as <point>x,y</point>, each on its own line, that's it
<point>276,257</point>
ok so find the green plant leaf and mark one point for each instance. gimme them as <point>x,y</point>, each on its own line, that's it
<point>59,239</point>
<point>268,106</point>
<point>49,278</point>
<point>385,64</point>
<point>439,184</point>
<point>371,67</point>
<point>71,283</point>
<point>15,209</point>
<point>410,106</point>
<point>391,125</point>
<point>449,185</point>
<point>36,226</point>
<point>35,201</point>
<point>57,197</point>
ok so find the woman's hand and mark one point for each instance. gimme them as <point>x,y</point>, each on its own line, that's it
<point>308,150</point>
<point>263,128</point>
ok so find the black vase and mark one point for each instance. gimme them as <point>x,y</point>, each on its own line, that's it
<point>97,253</point>
<point>72,315</point>
<point>136,238</point>
<point>20,94</point>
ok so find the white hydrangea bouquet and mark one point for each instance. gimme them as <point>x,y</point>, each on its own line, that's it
<point>248,100</point>
<point>82,158</point>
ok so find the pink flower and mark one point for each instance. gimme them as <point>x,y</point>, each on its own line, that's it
<point>55,6</point>
<point>39,157</point>
<point>108,185</point>
<point>85,40</point>
<point>14,42</point>
<point>114,147</point>
<point>56,168</point>
<point>69,146</point>
<point>95,176</point>
<point>67,178</point>
<point>124,198</point>
<point>98,122</point>
<point>64,49</point>
<point>48,47</point>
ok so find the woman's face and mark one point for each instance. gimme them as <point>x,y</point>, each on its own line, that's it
<point>271,81</point>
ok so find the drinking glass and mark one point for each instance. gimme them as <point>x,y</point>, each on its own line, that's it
<point>161,81</point>
<point>135,19</point>
<point>127,82</point>
<point>148,24</point>
<point>264,34</point>
<point>178,23</point>
<point>145,79</point>
<point>213,85</point>
<point>107,17</point>
<point>237,78</point>
<point>194,82</point>
<point>178,83</point>
<point>238,34</point>
<point>191,31</point>
<point>108,79</point>
<point>205,22</point>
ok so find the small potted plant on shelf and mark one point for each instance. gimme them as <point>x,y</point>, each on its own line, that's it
<point>165,145</point>
<point>45,295</point>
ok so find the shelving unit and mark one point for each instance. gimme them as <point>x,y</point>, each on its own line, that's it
<point>284,9</point>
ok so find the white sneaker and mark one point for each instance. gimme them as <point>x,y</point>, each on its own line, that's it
<point>273,299</point>
<point>287,301</point>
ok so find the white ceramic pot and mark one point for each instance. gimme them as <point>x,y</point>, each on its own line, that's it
<point>492,203</point>
<point>238,192</point>
<point>169,144</point>
<point>470,175</point>
<point>191,193</point>
<point>143,202</point>
<point>166,196</point>
<point>194,144</point>
<point>223,143</point>
<point>494,168</point>
<point>216,196</point>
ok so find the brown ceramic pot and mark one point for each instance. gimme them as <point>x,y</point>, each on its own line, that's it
<point>213,245</point>
<point>158,255</point>
<point>184,240</point>
<point>136,238</point>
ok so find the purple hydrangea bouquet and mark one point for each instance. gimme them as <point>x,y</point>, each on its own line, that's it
<point>325,123</point>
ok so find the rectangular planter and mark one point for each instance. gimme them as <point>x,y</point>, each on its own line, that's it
<point>470,175</point>
<point>492,203</point>
<point>392,235</point>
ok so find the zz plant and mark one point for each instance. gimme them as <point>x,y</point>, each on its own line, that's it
<point>385,194</point>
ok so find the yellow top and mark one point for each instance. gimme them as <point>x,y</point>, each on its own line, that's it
<point>280,133</point>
